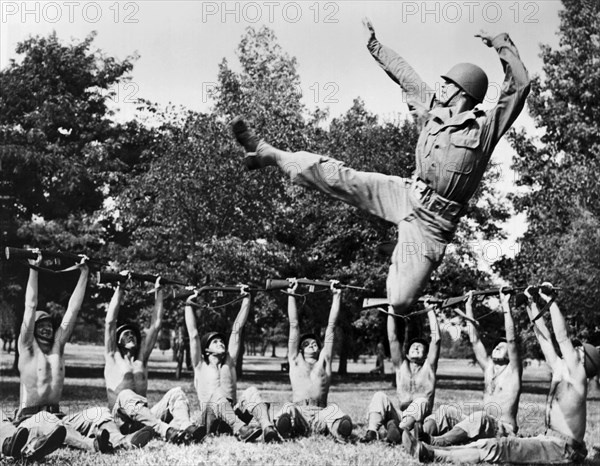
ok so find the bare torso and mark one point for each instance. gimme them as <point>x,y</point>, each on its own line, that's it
<point>566,406</point>
<point>310,381</point>
<point>42,376</point>
<point>121,373</point>
<point>502,390</point>
<point>414,381</point>
<point>215,380</point>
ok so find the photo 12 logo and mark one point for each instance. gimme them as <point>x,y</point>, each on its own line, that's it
<point>71,12</point>
<point>473,12</point>
<point>269,12</point>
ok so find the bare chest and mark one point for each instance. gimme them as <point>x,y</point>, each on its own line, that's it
<point>215,380</point>
<point>42,377</point>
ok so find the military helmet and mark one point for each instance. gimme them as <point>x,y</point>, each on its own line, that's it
<point>470,78</point>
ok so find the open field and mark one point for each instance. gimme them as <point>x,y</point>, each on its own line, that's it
<point>459,382</point>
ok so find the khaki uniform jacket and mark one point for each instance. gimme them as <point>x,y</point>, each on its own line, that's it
<point>453,150</point>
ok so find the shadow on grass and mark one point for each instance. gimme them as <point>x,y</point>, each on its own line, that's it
<point>359,382</point>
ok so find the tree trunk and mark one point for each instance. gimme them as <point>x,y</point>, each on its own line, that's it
<point>273,355</point>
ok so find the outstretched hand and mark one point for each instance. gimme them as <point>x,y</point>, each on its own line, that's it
<point>485,37</point>
<point>368,29</point>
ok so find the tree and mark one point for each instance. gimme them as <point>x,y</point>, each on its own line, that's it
<point>60,151</point>
<point>560,171</point>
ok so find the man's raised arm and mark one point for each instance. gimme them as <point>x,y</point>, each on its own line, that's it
<point>192,329</point>
<point>238,326</point>
<point>419,95</point>
<point>559,325</point>
<point>541,331</point>
<point>481,354</point>
<point>513,93</point>
<point>509,326</point>
<point>435,345</point>
<point>155,325</point>
<point>110,322</point>
<point>70,318</point>
<point>294,336</point>
<point>25,341</point>
<point>327,353</point>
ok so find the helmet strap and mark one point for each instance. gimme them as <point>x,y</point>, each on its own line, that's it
<point>449,99</point>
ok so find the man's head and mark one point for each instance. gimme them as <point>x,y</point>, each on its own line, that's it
<point>213,343</point>
<point>500,352</point>
<point>590,357</point>
<point>310,346</point>
<point>464,82</point>
<point>417,350</point>
<point>44,329</point>
<point>129,339</point>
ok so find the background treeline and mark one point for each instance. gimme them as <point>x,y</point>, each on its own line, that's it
<point>166,192</point>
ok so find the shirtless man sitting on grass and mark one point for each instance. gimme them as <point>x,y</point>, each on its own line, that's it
<point>126,374</point>
<point>42,374</point>
<point>215,380</point>
<point>310,375</point>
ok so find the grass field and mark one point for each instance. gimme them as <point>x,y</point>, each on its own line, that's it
<point>458,382</point>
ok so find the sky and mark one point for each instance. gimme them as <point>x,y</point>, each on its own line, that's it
<point>181,43</point>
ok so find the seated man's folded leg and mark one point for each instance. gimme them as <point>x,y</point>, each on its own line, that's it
<point>174,409</point>
<point>251,402</point>
<point>416,411</point>
<point>336,421</point>
<point>379,412</point>
<point>135,407</point>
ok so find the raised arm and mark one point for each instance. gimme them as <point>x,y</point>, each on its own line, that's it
<point>419,95</point>
<point>25,341</point>
<point>541,332</point>
<point>327,352</point>
<point>436,342</point>
<point>192,329</point>
<point>110,322</point>
<point>513,93</point>
<point>70,318</point>
<point>509,326</point>
<point>559,325</point>
<point>481,354</point>
<point>155,324</point>
<point>238,325</point>
<point>294,336</point>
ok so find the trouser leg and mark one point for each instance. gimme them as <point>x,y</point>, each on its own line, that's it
<point>415,257</point>
<point>135,407</point>
<point>89,421</point>
<point>382,195</point>
<point>416,411</point>
<point>43,423</point>
<point>476,425</point>
<point>251,401</point>
<point>224,410</point>
<point>327,419</point>
<point>173,409</point>
<point>442,420</point>
<point>514,450</point>
<point>380,411</point>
